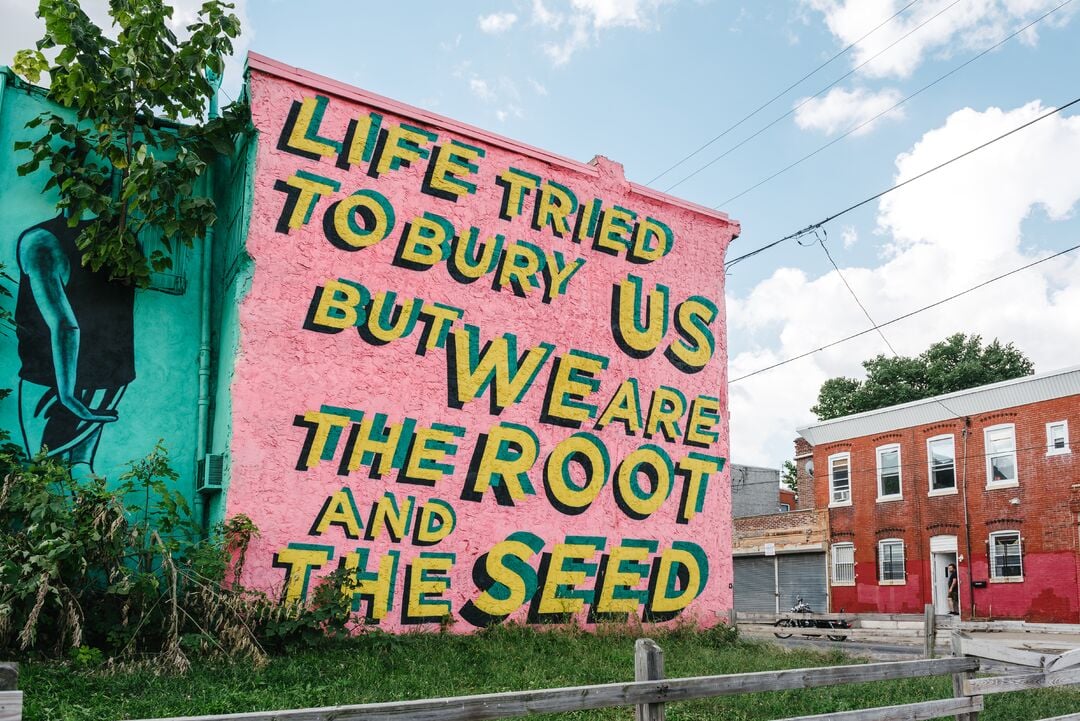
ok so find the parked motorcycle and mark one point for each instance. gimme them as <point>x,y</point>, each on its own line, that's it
<point>802,606</point>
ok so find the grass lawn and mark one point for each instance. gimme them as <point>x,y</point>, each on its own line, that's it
<point>379,667</point>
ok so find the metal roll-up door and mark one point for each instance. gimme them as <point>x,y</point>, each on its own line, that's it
<point>755,584</point>
<point>803,574</point>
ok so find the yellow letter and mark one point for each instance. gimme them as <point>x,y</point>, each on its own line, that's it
<point>637,339</point>
<point>635,501</point>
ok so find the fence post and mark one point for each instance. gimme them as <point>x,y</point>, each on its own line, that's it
<point>929,629</point>
<point>648,666</point>
<point>959,679</point>
<point>10,696</point>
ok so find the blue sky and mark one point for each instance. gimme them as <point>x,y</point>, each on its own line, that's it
<point>646,82</point>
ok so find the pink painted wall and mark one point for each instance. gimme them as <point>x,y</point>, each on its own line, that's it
<point>303,386</point>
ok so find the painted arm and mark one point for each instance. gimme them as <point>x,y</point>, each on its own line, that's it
<point>47,268</point>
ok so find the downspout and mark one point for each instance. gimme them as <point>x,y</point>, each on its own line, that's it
<point>203,408</point>
<point>3,89</point>
<point>967,524</point>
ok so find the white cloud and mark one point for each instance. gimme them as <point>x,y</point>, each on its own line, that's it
<point>586,18</point>
<point>842,109</point>
<point>965,27</point>
<point>849,236</point>
<point>946,232</point>
<point>21,29</point>
<point>481,89</point>
<point>538,87</point>
<point>497,22</point>
<point>502,93</point>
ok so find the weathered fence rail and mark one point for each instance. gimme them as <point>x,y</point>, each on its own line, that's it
<point>650,692</point>
<point>11,697</point>
<point>928,629</point>
<point>637,693</point>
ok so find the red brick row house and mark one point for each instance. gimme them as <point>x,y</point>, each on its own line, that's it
<point>987,478</point>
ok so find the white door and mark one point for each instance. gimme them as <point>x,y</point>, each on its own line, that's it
<point>942,553</point>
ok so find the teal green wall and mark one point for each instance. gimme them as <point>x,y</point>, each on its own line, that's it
<point>161,402</point>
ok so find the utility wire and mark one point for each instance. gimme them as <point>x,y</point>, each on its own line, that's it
<point>872,198</point>
<point>904,316</point>
<point>804,101</point>
<point>863,124</point>
<point>873,323</point>
<point>784,92</point>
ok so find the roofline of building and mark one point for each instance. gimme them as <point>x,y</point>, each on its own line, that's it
<point>322,83</point>
<point>756,468</point>
<point>981,399</point>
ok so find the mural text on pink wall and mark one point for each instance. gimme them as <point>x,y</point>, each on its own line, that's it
<point>506,432</point>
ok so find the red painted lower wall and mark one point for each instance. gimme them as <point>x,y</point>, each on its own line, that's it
<point>1048,593</point>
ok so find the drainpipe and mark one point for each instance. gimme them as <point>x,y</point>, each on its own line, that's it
<point>967,524</point>
<point>3,87</point>
<point>203,413</point>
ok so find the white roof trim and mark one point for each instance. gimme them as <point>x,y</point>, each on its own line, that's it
<point>982,399</point>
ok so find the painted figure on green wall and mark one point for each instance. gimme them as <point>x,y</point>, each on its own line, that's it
<point>76,345</point>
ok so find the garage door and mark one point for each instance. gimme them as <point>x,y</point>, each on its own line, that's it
<point>798,574</point>
<point>755,584</point>
<point>803,574</point>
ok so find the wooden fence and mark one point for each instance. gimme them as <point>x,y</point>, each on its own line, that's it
<point>929,630</point>
<point>10,696</point>
<point>651,691</point>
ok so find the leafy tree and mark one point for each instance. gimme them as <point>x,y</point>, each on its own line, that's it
<point>126,160</point>
<point>954,364</point>
<point>789,476</point>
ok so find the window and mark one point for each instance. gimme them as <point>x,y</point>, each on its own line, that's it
<point>1005,557</point>
<point>941,452</point>
<point>891,560</point>
<point>840,479</point>
<point>1000,456</point>
<point>1057,438</point>
<point>888,472</point>
<point>843,564</point>
<point>784,507</point>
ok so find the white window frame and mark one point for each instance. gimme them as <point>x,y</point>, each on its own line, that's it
<point>833,503</point>
<point>990,482</point>
<point>783,508</point>
<point>882,581</point>
<point>1050,449</point>
<point>834,565</point>
<point>930,466</point>
<point>899,472</point>
<point>992,558</point>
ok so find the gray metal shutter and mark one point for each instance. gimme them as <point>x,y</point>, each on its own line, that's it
<point>755,584</point>
<point>803,574</point>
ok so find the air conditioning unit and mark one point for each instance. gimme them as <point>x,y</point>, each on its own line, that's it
<point>211,471</point>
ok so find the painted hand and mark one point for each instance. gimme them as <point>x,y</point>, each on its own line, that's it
<point>79,409</point>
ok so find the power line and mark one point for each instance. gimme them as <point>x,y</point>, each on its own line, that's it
<point>821,242</point>
<point>872,198</point>
<point>784,92</point>
<point>804,101</point>
<point>893,107</point>
<point>904,316</point>
<point>873,323</point>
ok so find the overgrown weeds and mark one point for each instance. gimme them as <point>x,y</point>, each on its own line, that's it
<point>121,576</point>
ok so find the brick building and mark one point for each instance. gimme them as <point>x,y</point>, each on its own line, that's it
<point>778,553</point>
<point>985,478</point>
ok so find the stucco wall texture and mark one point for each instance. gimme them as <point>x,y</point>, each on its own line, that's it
<point>535,541</point>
